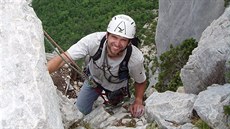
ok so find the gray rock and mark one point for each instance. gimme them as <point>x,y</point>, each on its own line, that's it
<point>70,113</point>
<point>170,108</point>
<point>209,105</point>
<point>123,127</point>
<point>96,117</point>
<point>206,65</point>
<point>227,70</point>
<point>28,98</point>
<point>183,19</point>
<point>188,126</point>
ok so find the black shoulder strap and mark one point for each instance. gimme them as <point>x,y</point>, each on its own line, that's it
<point>135,41</point>
<point>97,55</point>
<point>123,72</point>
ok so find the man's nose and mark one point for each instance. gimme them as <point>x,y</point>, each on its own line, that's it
<point>119,43</point>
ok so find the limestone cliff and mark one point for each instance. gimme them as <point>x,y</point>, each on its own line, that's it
<point>28,99</point>
<point>183,19</point>
<point>207,64</point>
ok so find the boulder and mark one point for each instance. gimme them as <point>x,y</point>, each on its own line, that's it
<point>28,98</point>
<point>209,105</point>
<point>207,64</point>
<point>170,109</point>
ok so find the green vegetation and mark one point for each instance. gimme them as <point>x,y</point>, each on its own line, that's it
<point>68,21</point>
<point>147,35</point>
<point>227,73</point>
<point>227,110</point>
<point>198,122</point>
<point>152,125</point>
<point>226,3</point>
<point>202,125</point>
<point>172,62</point>
<point>227,107</point>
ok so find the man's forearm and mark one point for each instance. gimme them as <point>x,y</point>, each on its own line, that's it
<point>57,62</point>
<point>139,92</point>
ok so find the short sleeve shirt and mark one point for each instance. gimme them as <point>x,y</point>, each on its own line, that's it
<point>105,70</point>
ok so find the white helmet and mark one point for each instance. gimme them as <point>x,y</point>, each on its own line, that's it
<point>122,25</point>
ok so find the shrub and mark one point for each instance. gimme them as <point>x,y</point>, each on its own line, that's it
<point>227,110</point>
<point>172,62</point>
<point>202,125</point>
<point>226,3</point>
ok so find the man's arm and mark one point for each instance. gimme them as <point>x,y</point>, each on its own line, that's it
<point>137,108</point>
<point>139,92</point>
<point>57,62</point>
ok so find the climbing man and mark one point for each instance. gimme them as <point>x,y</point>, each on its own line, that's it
<point>113,60</point>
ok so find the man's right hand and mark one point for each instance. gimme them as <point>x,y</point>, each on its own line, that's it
<point>137,110</point>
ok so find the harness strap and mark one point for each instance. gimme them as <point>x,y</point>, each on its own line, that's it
<point>97,55</point>
<point>99,90</point>
<point>111,97</point>
<point>123,72</point>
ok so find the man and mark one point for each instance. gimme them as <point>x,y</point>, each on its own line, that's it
<point>104,71</point>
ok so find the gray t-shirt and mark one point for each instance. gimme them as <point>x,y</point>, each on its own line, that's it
<point>105,68</point>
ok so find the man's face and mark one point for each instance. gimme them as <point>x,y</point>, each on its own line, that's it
<point>116,44</point>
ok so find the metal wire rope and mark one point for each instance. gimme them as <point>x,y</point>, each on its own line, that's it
<point>77,69</point>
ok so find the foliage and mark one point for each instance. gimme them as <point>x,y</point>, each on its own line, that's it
<point>152,126</point>
<point>148,34</point>
<point>198,122</point>
<point>202,125</point>
<point>227,73</point>
<point>227,110</point>
<point>226,3</point>
<point>172,62</point>
<point>227,107</point>
<point>68,21</point>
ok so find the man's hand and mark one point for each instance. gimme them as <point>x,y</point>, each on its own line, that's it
<point>137,110</point>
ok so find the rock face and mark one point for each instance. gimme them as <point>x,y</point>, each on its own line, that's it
<point>209,105</point>
<point>207,64</point>
<point>28,98</point>
<point>183,19</point>
<point>169,110</point>
<point>170,107</point>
